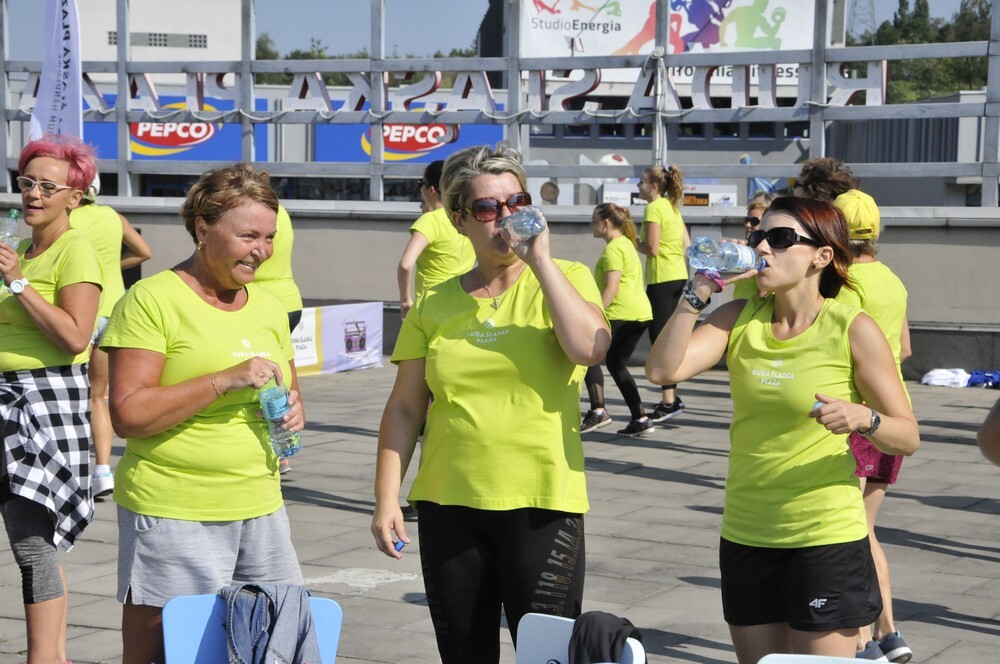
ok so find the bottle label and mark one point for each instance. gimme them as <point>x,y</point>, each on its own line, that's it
<point>275,404</point>
<point>748,258</point>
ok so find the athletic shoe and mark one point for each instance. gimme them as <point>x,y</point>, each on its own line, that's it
<point>664,412</point>
<point>895,648</point>
<point>594,420</point>
<point>639,427</point>
<point>102,485</point>
<point>872,652</point>
<point>284,465</point>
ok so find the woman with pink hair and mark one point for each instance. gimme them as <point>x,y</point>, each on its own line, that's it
<point>48,308</point>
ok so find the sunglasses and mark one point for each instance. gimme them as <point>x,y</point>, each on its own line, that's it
<point>490,209</point>
<point>26,184</point>
<point>780,238</point>
<point>422,183</point>
<point>753,221</point>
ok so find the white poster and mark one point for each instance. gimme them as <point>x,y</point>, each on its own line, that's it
<point>338,338</point>
<point>559,28</point>
<point>59,104</point>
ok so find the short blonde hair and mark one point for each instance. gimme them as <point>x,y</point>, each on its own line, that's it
<point>220,190</point>
<point>466,165</point>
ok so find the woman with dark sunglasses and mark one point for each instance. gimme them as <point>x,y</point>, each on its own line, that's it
<point>805,371</point>
<point>51,289</point>
<point>663,240</point>
<point>747,288</point>
<point>500,489</point>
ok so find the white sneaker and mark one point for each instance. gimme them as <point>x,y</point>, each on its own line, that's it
<point>102,485</point>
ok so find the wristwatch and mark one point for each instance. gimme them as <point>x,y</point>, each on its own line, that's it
<point>875,424</point>
<point>17,286</point>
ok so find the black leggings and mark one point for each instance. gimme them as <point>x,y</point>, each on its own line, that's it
<point>663,297</point>
<point>625,334</point>
<point>475,561</point>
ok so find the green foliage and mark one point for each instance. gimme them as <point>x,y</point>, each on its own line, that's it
<point>910,80</point>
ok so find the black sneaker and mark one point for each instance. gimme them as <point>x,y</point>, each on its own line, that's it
<point>594,420</point>
<point>664,412</point>
<point>639,427</point>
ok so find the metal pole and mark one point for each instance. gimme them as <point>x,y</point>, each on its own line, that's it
<point>246,105</point>
<point>817,92</point>
<point>122,102</point>
<point>377,101</point>
<point>4,97</point>
<point>517,132</point>
<point>659,61</point>
<point>991,130</point>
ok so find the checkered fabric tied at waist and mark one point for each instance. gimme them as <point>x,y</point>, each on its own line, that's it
<point>46,452</point>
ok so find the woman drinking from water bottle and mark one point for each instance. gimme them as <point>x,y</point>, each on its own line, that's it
<point>805,372</point>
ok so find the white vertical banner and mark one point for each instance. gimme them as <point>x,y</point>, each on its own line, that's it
<point>59,104</point>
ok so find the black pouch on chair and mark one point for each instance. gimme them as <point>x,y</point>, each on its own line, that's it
<point>600,637</point>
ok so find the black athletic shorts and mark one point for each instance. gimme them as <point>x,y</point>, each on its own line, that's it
<point>814,589</point>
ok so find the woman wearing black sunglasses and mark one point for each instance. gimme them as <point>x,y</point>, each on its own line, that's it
<point>503,350</point>
<point>805,371</point>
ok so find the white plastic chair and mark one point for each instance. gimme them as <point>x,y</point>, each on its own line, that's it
<point>783,658</point>
<point>544,639</point>
<point>194,628</point>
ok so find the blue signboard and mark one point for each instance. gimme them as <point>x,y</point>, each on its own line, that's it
<point>193,141</point>
<point>415,143</point>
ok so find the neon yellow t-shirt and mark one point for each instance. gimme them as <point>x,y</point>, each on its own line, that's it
<point>503,431</point>
<point>217,465</point>
<point>882,296</point>
<point>102,227</point>
<point>791,481</point>
<point>70,260</point>
<point>668,264</point>
<point>448,252</point>
<point>630,302</point>
<point>275,274</point>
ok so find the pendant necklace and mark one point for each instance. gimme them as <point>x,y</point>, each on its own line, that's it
<point>495,304</point>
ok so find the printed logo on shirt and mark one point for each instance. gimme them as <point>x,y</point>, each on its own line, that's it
<point>772,377</point>
<point>488,337</point>
<point>249,352</point>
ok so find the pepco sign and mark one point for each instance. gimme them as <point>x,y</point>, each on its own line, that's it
<point>407,141</point>
<point>164,138</point>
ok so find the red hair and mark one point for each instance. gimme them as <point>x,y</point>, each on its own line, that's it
<point>825,224</point>
<point>81,157</point>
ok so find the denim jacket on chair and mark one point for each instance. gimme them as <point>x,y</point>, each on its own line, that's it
<point>269,624</point>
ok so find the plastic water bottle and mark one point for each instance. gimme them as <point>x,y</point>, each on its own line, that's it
<point>274,402</point>
<point>525,223</point>
<point>9,229</point>
<point>707,254</point>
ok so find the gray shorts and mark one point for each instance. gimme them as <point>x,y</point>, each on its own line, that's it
<point>160,558</point>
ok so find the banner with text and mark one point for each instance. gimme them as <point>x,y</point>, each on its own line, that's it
<point>59,104</point>
<point>338,338</point>
<point>628,27</point>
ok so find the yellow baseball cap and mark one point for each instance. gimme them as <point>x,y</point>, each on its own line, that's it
<point>861,212</point>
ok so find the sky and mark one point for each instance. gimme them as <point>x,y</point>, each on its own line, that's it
<point>413,27</point>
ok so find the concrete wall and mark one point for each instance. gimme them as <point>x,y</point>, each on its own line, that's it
<point>348,250</point>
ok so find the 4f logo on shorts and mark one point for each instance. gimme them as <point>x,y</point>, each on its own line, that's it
<point>817,603</point>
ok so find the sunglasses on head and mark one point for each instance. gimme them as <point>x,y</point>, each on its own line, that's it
<point>780,238</point>
<point>753,221</point>
<point>490,209</point>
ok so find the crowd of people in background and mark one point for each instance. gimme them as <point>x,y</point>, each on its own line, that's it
<point>498,339</point>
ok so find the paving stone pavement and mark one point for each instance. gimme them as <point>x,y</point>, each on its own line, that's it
<point>652,534</point>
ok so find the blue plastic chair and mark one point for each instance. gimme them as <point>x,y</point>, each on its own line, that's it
<point>194,628</point>
<point>544,639</point>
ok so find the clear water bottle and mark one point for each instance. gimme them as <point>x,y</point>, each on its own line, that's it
<point>525,223</point>
<point>9,229</point>
<point>274,403</point>
<point>707,254</point>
